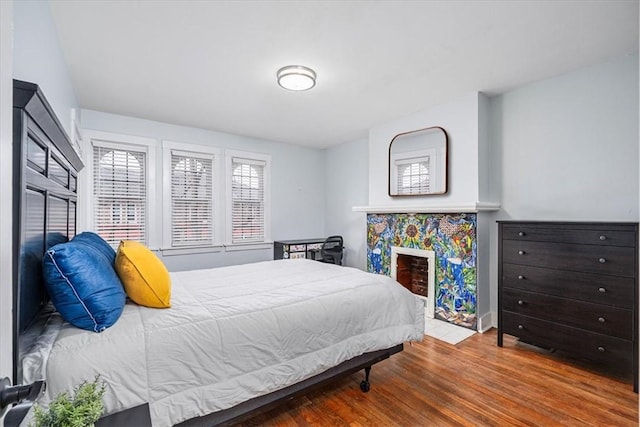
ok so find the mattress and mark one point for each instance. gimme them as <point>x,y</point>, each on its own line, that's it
<point>231,334</point>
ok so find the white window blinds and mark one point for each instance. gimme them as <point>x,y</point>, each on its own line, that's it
<point>413,176</point>
<point>191,199</point>
<point>120,194</point>
<point>248,201</point>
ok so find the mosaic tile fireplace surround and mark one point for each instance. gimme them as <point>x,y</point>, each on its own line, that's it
<point>453,239</point>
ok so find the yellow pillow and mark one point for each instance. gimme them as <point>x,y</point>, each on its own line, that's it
<point>145,278</point>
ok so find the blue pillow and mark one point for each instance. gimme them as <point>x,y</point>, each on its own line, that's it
<point>83,285</point>
<point>94,240</point>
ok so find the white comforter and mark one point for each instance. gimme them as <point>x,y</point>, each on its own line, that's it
<point>233,333</point>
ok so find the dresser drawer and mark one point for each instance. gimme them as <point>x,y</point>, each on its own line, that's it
<point>571,286</point>
<point>603,235</point>
<point>608,260</point>
<point>611,351</point>
<point>604,319</point>
<point>610,290</point>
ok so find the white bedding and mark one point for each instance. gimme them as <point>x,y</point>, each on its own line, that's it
<point>232,333</point>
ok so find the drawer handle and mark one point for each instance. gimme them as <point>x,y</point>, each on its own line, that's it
<point>603,237</point>
<point>601,319</point>
<point>520,277</point>
<point>602,260</point>
<point>521,233</point>
<point>520,302</point>
<point>520,252</point>
<point>602,290</point>
<point>601,349</point>
<point>520,327</point>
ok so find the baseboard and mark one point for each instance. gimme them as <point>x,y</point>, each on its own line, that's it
<point>486,322</point>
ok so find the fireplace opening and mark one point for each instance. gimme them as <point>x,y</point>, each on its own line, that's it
<point>415,270</point>
<point>412,274</point>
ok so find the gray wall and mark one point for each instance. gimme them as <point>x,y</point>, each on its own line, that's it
<point>297,183</point>
<point>346,180</point>
<point>35,56</point>
<point>566,148</point>
<point>6,194</point>
<point>38,57</point>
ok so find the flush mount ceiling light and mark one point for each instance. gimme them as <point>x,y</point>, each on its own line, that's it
<point>296,77</point>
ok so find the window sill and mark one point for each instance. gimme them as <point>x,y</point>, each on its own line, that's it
<point>191,250</point>
<point>231,247</point>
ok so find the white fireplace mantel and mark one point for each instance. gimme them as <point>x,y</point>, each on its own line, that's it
<point>469,207</point>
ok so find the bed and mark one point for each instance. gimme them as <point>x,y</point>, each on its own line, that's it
<point>232,334</point>
<point>236,339</point>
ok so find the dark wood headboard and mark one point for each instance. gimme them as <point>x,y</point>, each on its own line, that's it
<point>45,181</point>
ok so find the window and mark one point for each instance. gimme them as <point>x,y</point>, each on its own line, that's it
<point>247,193</point>
<point>413,176</point>
<point>168,195</point>
<point>189,200</point>
<point>120,193</point>
<point>247,196</point>
<point>414,172</point>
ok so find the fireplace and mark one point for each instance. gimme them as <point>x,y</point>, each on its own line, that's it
<point>415,270</point>
<point>451,237</point>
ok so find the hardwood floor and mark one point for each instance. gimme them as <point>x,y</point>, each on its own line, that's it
<point>475,383</point>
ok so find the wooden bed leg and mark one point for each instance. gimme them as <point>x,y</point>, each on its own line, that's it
<point>365,386</point>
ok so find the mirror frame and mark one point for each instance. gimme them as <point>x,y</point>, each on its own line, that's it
<point>446,163</point>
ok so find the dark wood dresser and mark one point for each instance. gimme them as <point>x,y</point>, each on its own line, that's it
<point>572,287</point>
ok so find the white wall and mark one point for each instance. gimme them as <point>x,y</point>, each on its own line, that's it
<point>6,137</point>
<point>297,183</point>
<point>38,57</point>
<point>346,180</point>
<point>566,148</point>
<point>460,119</point>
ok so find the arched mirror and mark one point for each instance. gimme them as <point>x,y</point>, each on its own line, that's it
<point>418,162</point>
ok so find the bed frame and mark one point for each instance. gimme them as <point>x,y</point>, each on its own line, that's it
<point>44,209</point>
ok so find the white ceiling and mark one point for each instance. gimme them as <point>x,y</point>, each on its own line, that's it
<point>212,64</point>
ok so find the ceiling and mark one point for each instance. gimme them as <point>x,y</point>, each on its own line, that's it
<point>212,64</point>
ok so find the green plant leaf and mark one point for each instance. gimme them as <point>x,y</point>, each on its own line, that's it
<point>81,409</point>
